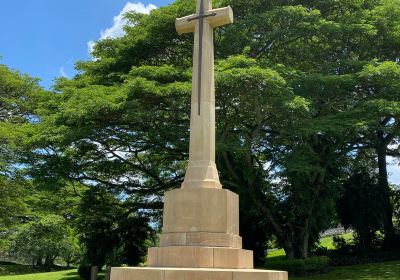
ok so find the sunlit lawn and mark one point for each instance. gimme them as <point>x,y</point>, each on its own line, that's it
<point>57,275</point>
<point>26,272</point>
<point>324,242</point>
<point>377,271</point>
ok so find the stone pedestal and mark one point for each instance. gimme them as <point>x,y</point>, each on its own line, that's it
<point>200,230</point>
<point>200,241</point>
<point>200,238</point>
<point>135,273</point>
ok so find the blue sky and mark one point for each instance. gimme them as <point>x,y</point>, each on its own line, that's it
<point>44,38</point>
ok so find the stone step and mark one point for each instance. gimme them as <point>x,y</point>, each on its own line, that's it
<point>199,257</point>
<point>207,239</point>
<point>139,273</point>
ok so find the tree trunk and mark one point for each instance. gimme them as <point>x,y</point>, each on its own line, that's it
<point>384,187</point>
<point>48,262</point>
<point>289,250</point>
<point>305,241</point>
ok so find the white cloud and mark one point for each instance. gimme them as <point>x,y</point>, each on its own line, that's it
<point>90,46</point>
<point>394,170</point>
<point>116,30</point>
<point>62,72</point>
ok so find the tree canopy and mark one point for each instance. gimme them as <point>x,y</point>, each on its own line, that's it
<point>303,90</point>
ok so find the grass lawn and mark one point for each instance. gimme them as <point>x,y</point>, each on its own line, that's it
<point>324,242</point>
<point>8,268</point>
<point>376,271</point>
<point>57,275</point>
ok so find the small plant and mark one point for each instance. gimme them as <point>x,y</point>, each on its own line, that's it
<point>84,271</point>
<point>341,245</point>
<point>300,267</point>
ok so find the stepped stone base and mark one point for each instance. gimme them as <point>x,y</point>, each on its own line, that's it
<point>201,210</point>
<point>207,239</point>
<point>199,257</point>
<point>138,273</point>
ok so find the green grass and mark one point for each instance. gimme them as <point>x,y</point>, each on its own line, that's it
<point>16,269</point>
<point>57,275</point>
<point>376,271</point>
<point>324,242</point>
<point>328,241</point>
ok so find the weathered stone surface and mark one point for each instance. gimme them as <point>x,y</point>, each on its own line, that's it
<point>173,239</point>
<point>232,258</point>
<point>202,171</point>
<point>139,273</point>
<point>197,275</point>
<point>260,275</point>
<point>207,239</point>
<point>211,239</point>
<point>200,257</point>
<point>185,256</point>
<point>201,220</point>
<point>201,210</point>
<point>136,273</point>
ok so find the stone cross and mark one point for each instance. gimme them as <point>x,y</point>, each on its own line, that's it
<point>200,236</point>
<point>202,171</point>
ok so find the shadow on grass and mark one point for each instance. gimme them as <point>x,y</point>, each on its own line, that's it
<point>73,275</point>
<point>376,271</point>
<point>20,269</point>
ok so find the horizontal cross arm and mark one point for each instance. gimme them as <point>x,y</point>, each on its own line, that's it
<point>222,16</point>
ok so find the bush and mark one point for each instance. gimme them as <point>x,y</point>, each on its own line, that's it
<point>300,267</point>
<point>320,251</point>
<point>84,271</point>
<point>341,245</point>
<point>337,259</point>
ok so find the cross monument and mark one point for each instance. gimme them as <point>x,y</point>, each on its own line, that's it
<point>200,235</point>
<point>201,171</point>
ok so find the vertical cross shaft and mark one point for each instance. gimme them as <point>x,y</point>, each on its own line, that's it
<point>200,17</point>
<point>202,171</point>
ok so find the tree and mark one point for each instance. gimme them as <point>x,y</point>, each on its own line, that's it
<point>361,207</point>
<point>110,234</point>
<point>41,242</point>
<point>70,250</point>
<point>295,99</point>
<point>16,94</point>
<point>380,85</point>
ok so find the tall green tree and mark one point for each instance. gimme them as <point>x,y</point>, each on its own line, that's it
<point>16,94</point>
<point>40,242</point>
<point>380,88</point>
<point>299,89</point>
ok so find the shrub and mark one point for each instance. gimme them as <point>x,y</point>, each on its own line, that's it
<point>84,271</point>
<point>337,259</point>
<point>342,246</point>
<point>300,267</point>
<point>320,251</point>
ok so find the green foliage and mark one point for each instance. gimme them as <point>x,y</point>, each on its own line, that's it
<point>11,204</point>
<point>9,270</point>
<point>43,240</point>
<point>361,206</point>
<point>17,92</point>
<point>302,89</point>
<point>300,267</point>
<point>84,271</point>
<point>58,275</point>
<point>378,271</point>
<point>17,96</point>
<point>111,235</point>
